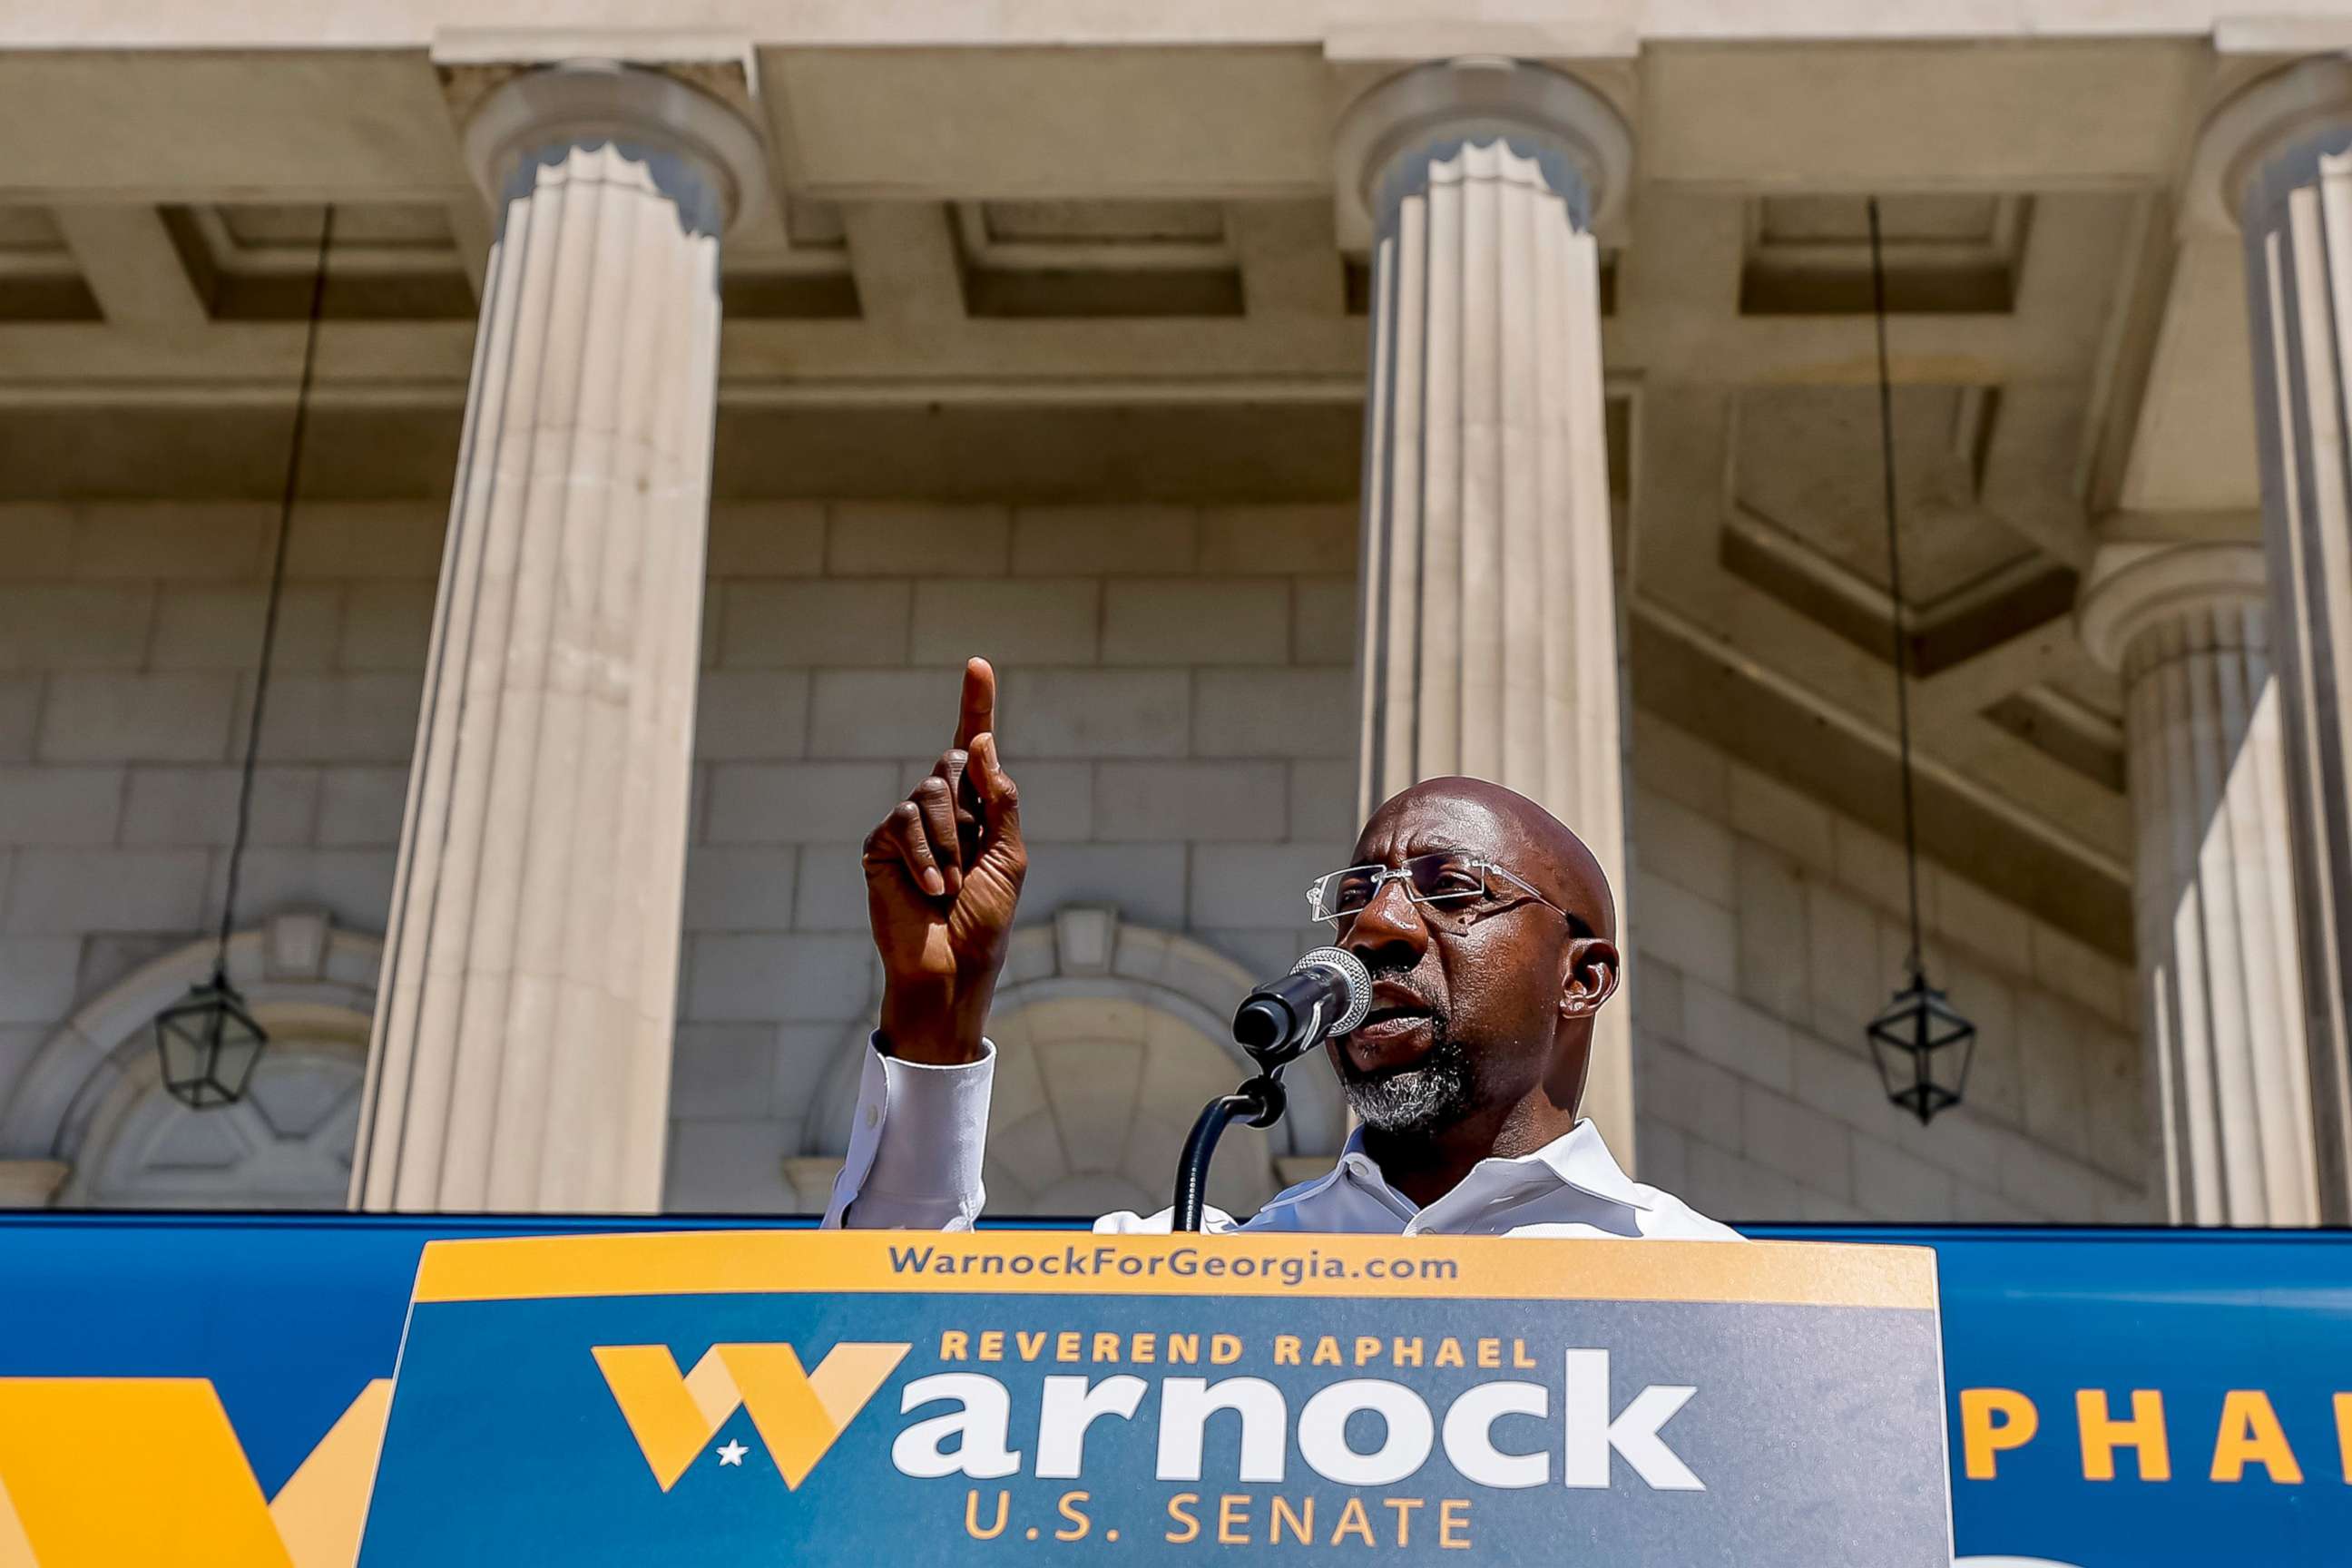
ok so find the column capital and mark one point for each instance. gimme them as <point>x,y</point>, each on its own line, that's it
<point>2132,587</point>
<point>1583,142</point>
<point>2293,114</point>
<point>510,115</point>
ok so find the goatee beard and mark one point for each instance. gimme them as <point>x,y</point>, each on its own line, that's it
<point>1431,1093</point>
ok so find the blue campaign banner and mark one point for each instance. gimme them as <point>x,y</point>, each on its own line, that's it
<point>251,1342</point>
<point>2120,1398</point>
<point>871,1396</point>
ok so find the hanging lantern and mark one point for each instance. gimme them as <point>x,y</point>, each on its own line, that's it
<point>1923,1047</point>
<point>208,1044</point>
<point>1920,1041</point>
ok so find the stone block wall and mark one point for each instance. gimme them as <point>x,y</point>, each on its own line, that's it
<point>1767,931</point>
<point>1177,708</point>
<point>128,642</point>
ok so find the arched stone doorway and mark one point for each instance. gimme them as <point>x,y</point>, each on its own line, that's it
<point>1093,1095</point>
<point>1109,1039</point>
<point>286,1145</point>
<point>93,1099</point>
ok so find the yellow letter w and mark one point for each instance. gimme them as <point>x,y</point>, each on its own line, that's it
<point>798,1412</point>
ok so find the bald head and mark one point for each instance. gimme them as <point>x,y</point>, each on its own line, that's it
<point>1483,999</point>
<point>1499,823</point>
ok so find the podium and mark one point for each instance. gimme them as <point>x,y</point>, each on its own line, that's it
<point>799,1398</point>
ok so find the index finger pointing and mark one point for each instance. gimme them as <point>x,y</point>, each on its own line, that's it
<point>978,716</point>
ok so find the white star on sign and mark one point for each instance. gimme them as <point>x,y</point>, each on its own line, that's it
<point>732,1452</point>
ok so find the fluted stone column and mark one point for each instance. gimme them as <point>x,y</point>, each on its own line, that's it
<point>521,1051</point>
<point>2276,160</point>
<point>2221,978</point>
<point>1488,630</point>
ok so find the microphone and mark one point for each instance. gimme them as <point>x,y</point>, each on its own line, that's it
<point>1326,992</point>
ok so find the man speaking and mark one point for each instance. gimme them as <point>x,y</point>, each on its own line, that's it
<point>1490,935</point>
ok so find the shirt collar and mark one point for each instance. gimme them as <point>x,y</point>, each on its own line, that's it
<point>1577,1159</point>
<point>1581,1159</point>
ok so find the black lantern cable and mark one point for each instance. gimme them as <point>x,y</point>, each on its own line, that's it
<point>1922,1044</point>
<point>208,1043</point>
<point>286,492</point>
<point>1914,961</point>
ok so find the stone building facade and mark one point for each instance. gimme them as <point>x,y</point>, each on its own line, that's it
<point>1290,407</point>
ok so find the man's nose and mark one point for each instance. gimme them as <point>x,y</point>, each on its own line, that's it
<point>1388,931</point>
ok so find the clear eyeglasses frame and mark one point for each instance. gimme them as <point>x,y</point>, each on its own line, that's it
<point>1451,890</point>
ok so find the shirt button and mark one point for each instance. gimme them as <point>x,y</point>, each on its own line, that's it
<point>873,1116</point>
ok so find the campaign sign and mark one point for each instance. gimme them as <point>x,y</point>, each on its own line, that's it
<point>846,1397</point>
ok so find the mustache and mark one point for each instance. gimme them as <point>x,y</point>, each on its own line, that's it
<point>1404,980</point>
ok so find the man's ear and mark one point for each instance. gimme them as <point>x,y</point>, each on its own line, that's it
<point>1593,969</point>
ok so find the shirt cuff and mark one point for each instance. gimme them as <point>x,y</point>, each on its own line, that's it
<point>916,1146</point>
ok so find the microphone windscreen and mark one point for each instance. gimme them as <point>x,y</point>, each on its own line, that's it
<point>1358,980</point>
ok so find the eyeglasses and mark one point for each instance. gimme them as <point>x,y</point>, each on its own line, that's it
<point>1454,890</point>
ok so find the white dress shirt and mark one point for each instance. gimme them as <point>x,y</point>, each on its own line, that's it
<point>921,1134</point>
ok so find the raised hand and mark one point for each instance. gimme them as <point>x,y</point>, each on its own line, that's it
<point>943,875</point>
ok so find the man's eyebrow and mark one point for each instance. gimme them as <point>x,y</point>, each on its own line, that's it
<point>1418,846</point>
